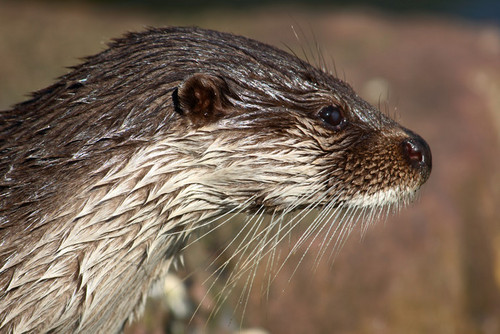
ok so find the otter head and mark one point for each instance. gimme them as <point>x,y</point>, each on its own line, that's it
<point>287,135</point>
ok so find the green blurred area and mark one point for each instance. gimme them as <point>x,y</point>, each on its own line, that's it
<point>427,5</point>
<point>470,9</point>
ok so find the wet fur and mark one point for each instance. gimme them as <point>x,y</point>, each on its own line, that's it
<point>105,174</point>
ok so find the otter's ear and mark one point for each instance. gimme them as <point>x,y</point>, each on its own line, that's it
<point>203,98</point>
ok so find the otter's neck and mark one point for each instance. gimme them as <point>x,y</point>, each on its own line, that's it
<point>120,234</point>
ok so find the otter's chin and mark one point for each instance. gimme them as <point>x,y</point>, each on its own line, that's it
<point>396,197</point>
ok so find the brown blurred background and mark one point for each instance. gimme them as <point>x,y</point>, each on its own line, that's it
<point>435,66</point>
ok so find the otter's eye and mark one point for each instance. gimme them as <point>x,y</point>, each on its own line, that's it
<point>332,115</point>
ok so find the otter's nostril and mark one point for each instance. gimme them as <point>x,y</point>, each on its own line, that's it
<point>418,153</point>
<point>413,151</point>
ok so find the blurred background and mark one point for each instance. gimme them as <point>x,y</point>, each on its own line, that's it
<point>433,65</point>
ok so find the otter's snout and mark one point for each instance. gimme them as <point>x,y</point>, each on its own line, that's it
<point>418,154</point>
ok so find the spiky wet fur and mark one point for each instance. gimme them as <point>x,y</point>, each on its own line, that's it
<point>105,175</point>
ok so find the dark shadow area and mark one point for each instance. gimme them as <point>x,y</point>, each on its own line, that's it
<point>479,10</point>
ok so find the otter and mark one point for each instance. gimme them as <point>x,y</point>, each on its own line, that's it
<point>106,174</point>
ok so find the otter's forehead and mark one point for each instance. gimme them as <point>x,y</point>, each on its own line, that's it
<point>193,50</point>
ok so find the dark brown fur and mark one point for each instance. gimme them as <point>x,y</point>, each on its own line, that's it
<point>164,84</point>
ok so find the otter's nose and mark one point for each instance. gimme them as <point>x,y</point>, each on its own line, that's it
<point>418,154</point>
